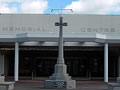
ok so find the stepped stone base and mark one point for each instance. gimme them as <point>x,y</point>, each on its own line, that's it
<point>118,80</point>
<point>60,78</point>
<point>2,79</point>
<point>113,86</point>
<point>70,84</point>
<point>7,86</point>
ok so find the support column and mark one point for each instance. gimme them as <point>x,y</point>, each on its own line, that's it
<point>118,66</point>
<point>118,77</point>
<point>106,62</point>
<point>1,63</point>
<point>16,68</point>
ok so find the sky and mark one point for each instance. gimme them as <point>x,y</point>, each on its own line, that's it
<point>45,6</point>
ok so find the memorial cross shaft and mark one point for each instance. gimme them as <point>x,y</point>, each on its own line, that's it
<point>60,53</point>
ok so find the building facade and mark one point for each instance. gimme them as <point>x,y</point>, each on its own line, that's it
<point>29,45</point>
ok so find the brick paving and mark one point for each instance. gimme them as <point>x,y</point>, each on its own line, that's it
<point>39,85</point>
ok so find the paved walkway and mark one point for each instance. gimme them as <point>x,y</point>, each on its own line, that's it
<point>39,85</point>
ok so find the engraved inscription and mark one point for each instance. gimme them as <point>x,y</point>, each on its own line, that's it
<point>23,29</point>
<point>60,84</point>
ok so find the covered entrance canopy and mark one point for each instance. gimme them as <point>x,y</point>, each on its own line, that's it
<point>37,60</point>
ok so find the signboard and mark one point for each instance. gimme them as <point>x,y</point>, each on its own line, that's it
<point>38,23</point>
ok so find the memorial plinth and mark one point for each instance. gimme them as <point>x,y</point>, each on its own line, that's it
<point>114,86</point>
<point>60,78</point>
<point>6,85</point>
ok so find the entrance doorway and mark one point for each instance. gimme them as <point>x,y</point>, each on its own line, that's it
<point>86,67</point>
<point>81,66</point>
